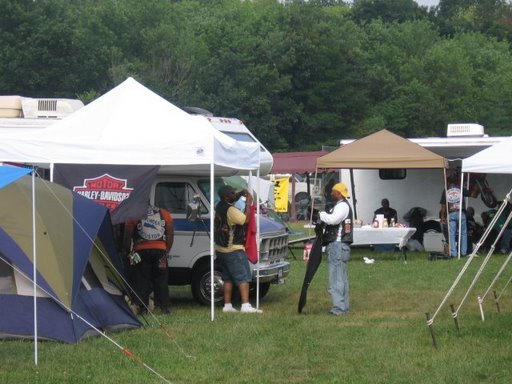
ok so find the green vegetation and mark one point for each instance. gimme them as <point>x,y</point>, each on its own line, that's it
<point>383,340</point>
<point>301,75</point>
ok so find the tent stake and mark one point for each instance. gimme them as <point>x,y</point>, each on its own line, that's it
<point>431,329</point>
<point>496,301</point>
<point>454,316</point>
<point>480,301</point>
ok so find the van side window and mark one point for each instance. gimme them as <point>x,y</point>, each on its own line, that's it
<point>174,196</point>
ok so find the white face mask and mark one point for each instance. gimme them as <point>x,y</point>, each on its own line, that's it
<point>240,203</point>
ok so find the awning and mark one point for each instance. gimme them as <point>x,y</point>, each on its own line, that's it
<point>295,162</point>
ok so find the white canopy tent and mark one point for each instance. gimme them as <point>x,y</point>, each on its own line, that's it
<point>132,125</point>
<point>495,159</point>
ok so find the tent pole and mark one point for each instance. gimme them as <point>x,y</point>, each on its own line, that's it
<point>430,324</point>
<point>34,263</point>
<point>293,209</point>
<point>212,248</point>
<point>480,302</point>
<point>312,206</point>
<point>460,214</point>
<point>446,212</point>
<point>496,301</point>
<point>454,316</point>
<point>352,186</point>
<point>257,236</point>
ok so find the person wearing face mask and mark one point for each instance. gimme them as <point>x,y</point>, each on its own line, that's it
<point>230,237</point>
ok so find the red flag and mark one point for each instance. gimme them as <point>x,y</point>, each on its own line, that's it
<point>251,248</point>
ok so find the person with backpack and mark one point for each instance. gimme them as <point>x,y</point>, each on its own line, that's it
<point>147,243</point>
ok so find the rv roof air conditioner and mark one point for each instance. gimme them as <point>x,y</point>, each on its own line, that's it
<point>455,130</point>
<point>49,108</point>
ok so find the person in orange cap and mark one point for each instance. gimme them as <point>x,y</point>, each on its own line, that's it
<point>338,236</point>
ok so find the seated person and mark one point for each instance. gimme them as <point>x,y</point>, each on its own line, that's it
<point>475,230</point>
<point>388,212</point>
<point>504,243</point>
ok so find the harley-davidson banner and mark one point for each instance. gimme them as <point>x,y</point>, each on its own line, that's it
<point>123,189</point>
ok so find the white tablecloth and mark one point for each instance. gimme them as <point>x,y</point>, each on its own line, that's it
<point>396,235</point>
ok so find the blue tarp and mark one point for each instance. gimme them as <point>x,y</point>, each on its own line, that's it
<point>8,174</point>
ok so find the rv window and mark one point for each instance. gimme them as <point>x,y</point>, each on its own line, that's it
<point>174,196</point>
<point>240,136</point>
<point>392,174</point>
<point>243,137</point>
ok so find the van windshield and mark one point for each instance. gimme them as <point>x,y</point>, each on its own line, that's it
<point>204,185</point>
<point>236,182</point>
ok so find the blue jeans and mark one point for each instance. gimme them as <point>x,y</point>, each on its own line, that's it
<point>338,254</point>
<point>454,227</point>
<point>235,267</point>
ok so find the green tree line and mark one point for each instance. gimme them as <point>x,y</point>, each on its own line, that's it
<point>301,74</point>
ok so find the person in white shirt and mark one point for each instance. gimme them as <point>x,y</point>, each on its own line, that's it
<point>338,233</point>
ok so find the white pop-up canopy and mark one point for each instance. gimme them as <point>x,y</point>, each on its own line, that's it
<point>133,125</point>
<point>495,159</point>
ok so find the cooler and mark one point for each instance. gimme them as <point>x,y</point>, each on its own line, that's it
<point>433,241</point>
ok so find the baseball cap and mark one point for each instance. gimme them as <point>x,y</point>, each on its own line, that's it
<point>225,190</point>
<point>341,188</point>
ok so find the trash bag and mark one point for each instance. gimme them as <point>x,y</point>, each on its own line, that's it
<point>415,219</point>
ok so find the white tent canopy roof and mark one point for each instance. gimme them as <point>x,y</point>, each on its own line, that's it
<point>132,125</point>
<point>495,159</point>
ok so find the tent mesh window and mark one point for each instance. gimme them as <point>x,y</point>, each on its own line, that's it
<point>7,285</point>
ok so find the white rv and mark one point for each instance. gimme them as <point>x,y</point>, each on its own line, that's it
<point>237,130</point>
<point>408,188</point>
<point>26,114</point>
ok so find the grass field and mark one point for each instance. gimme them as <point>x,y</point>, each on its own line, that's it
<point>383,340</point>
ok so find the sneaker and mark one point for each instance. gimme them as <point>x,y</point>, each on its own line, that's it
<point>229,309</point>
<point>250,309</point>
<point>337,313</point>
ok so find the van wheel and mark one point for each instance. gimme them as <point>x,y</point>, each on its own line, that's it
<point>201,285</point>
<point>264,288</point>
